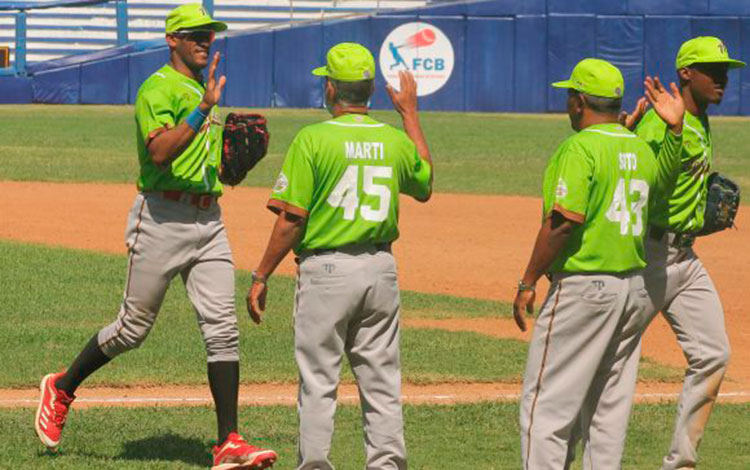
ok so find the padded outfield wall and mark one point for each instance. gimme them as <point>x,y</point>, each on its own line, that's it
<point>497,55</point>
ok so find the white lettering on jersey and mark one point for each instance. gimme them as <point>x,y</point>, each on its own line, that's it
<point>628,161</point>
<point>364,150</point>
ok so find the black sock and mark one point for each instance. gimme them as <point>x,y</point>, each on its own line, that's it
<point>224,379</point>
<point>87,362</point>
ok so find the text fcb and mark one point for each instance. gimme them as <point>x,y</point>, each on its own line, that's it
<point>422,49</point>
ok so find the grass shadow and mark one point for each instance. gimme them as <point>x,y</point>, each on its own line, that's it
<point>169,447</point>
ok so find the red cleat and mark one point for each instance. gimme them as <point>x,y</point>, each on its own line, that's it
<point>236,454</point>
<point>53,409</point>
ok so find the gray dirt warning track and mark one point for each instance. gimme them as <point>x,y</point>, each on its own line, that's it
<point>482,241</point>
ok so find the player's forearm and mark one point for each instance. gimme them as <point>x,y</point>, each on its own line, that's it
<point>413,129</point>
<point>668,162</point>
<point>550,241</point>
<point>171,143</point>
<point>286,233</point>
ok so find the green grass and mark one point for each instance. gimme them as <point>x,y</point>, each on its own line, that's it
<point>482,436</point>
<point>53,300</point>
<point>474,153</point>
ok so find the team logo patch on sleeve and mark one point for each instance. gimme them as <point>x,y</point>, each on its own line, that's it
<point>562,189</point>
<point>281,183</point>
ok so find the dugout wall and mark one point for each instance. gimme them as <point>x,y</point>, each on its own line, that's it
<point>502,55</point>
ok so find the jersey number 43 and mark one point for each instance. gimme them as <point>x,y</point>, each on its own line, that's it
<point>621,212</point>
<point>345,193</point>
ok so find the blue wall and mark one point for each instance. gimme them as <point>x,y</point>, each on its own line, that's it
<point>506,54</point>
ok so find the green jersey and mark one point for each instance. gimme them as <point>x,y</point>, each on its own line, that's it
<point>164,100</point>
<point>345,175</point>
<point>601,178</point>
<point>682,210</point>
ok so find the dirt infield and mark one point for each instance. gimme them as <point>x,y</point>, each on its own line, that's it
<point>465,245</point>
<point>286,394</point>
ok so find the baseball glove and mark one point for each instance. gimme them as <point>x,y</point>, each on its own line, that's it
<point>721,204</point>
<point>245,144</point>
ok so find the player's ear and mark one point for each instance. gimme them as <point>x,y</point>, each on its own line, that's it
<point>171,41</point>
<point>330,91</point>
<point>576,102</point>
<point>684,75</point>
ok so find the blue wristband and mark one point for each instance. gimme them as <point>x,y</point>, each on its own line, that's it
<point>195,119</point>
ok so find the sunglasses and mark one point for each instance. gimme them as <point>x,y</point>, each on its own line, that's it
<point>196,35</point>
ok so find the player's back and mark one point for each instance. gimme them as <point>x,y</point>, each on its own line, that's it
<point>603,175</point>
<point>359,167</point>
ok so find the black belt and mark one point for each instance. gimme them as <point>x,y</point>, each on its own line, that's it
<point>385,246</point>
<point>679,240</point>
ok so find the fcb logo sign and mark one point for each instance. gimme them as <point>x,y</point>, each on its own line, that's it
<point>422,49</point>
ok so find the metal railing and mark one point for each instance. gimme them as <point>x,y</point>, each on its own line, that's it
<point>44,29</point>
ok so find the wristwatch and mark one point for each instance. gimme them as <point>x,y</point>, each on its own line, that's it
<point>522,286</point>
<point>258,278</point>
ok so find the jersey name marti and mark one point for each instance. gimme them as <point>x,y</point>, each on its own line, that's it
<point>364,150</point>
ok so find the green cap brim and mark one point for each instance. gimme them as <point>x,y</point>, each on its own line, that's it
<point>217,26</point>
<point>735,64</point>
<point>563,84</point>
<point>732,63</point>
<point>321,71</point>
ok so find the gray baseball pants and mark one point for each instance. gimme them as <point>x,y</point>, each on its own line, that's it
<point>347,302</point>
<point>680,287</point>
<point>581,371</point>
<point>166,238</point>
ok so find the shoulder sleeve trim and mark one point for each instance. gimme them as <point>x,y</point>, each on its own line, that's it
<point>570,215</point>
<point>277,205</point>
<point>151,135</point>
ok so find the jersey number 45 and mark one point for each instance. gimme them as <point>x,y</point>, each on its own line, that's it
<point>345,193</point>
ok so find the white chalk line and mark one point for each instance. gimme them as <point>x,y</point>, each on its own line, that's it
<point>290,399</point>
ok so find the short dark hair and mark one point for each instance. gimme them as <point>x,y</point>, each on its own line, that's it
<point>354,93</point>
<point>603,105</point>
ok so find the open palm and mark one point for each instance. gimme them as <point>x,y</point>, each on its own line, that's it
<point>669,106</point>
<point>214,87</point>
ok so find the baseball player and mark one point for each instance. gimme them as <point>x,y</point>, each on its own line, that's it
<point>678,284</point>
<point>598,188</point>
<point>337,205</point>
<point>174,228</point>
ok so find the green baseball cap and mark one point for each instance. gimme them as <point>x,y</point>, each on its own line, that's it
<point>348,62</point>
<point>192,16</point>
<point>703,50</point>
<point>595,77</point>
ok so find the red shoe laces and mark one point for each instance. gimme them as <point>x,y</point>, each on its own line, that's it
<point>60,406</point>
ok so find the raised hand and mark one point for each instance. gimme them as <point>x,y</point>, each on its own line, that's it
<point>213,87</point>
<point>669,106</point>
<point>404,100</point>
<point>631,120</point>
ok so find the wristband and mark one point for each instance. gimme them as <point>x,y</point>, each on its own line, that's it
<point>524,287</point>
<point>195,119</point>
<point>258,278</point>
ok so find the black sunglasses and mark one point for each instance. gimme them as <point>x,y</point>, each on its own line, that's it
<point>196,35</point>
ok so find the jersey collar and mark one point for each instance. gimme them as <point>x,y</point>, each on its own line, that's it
<point>609,127</point>
<point>169,70</point>
<point>355,120</point>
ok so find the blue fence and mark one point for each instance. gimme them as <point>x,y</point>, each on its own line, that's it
<point>505,55</point>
